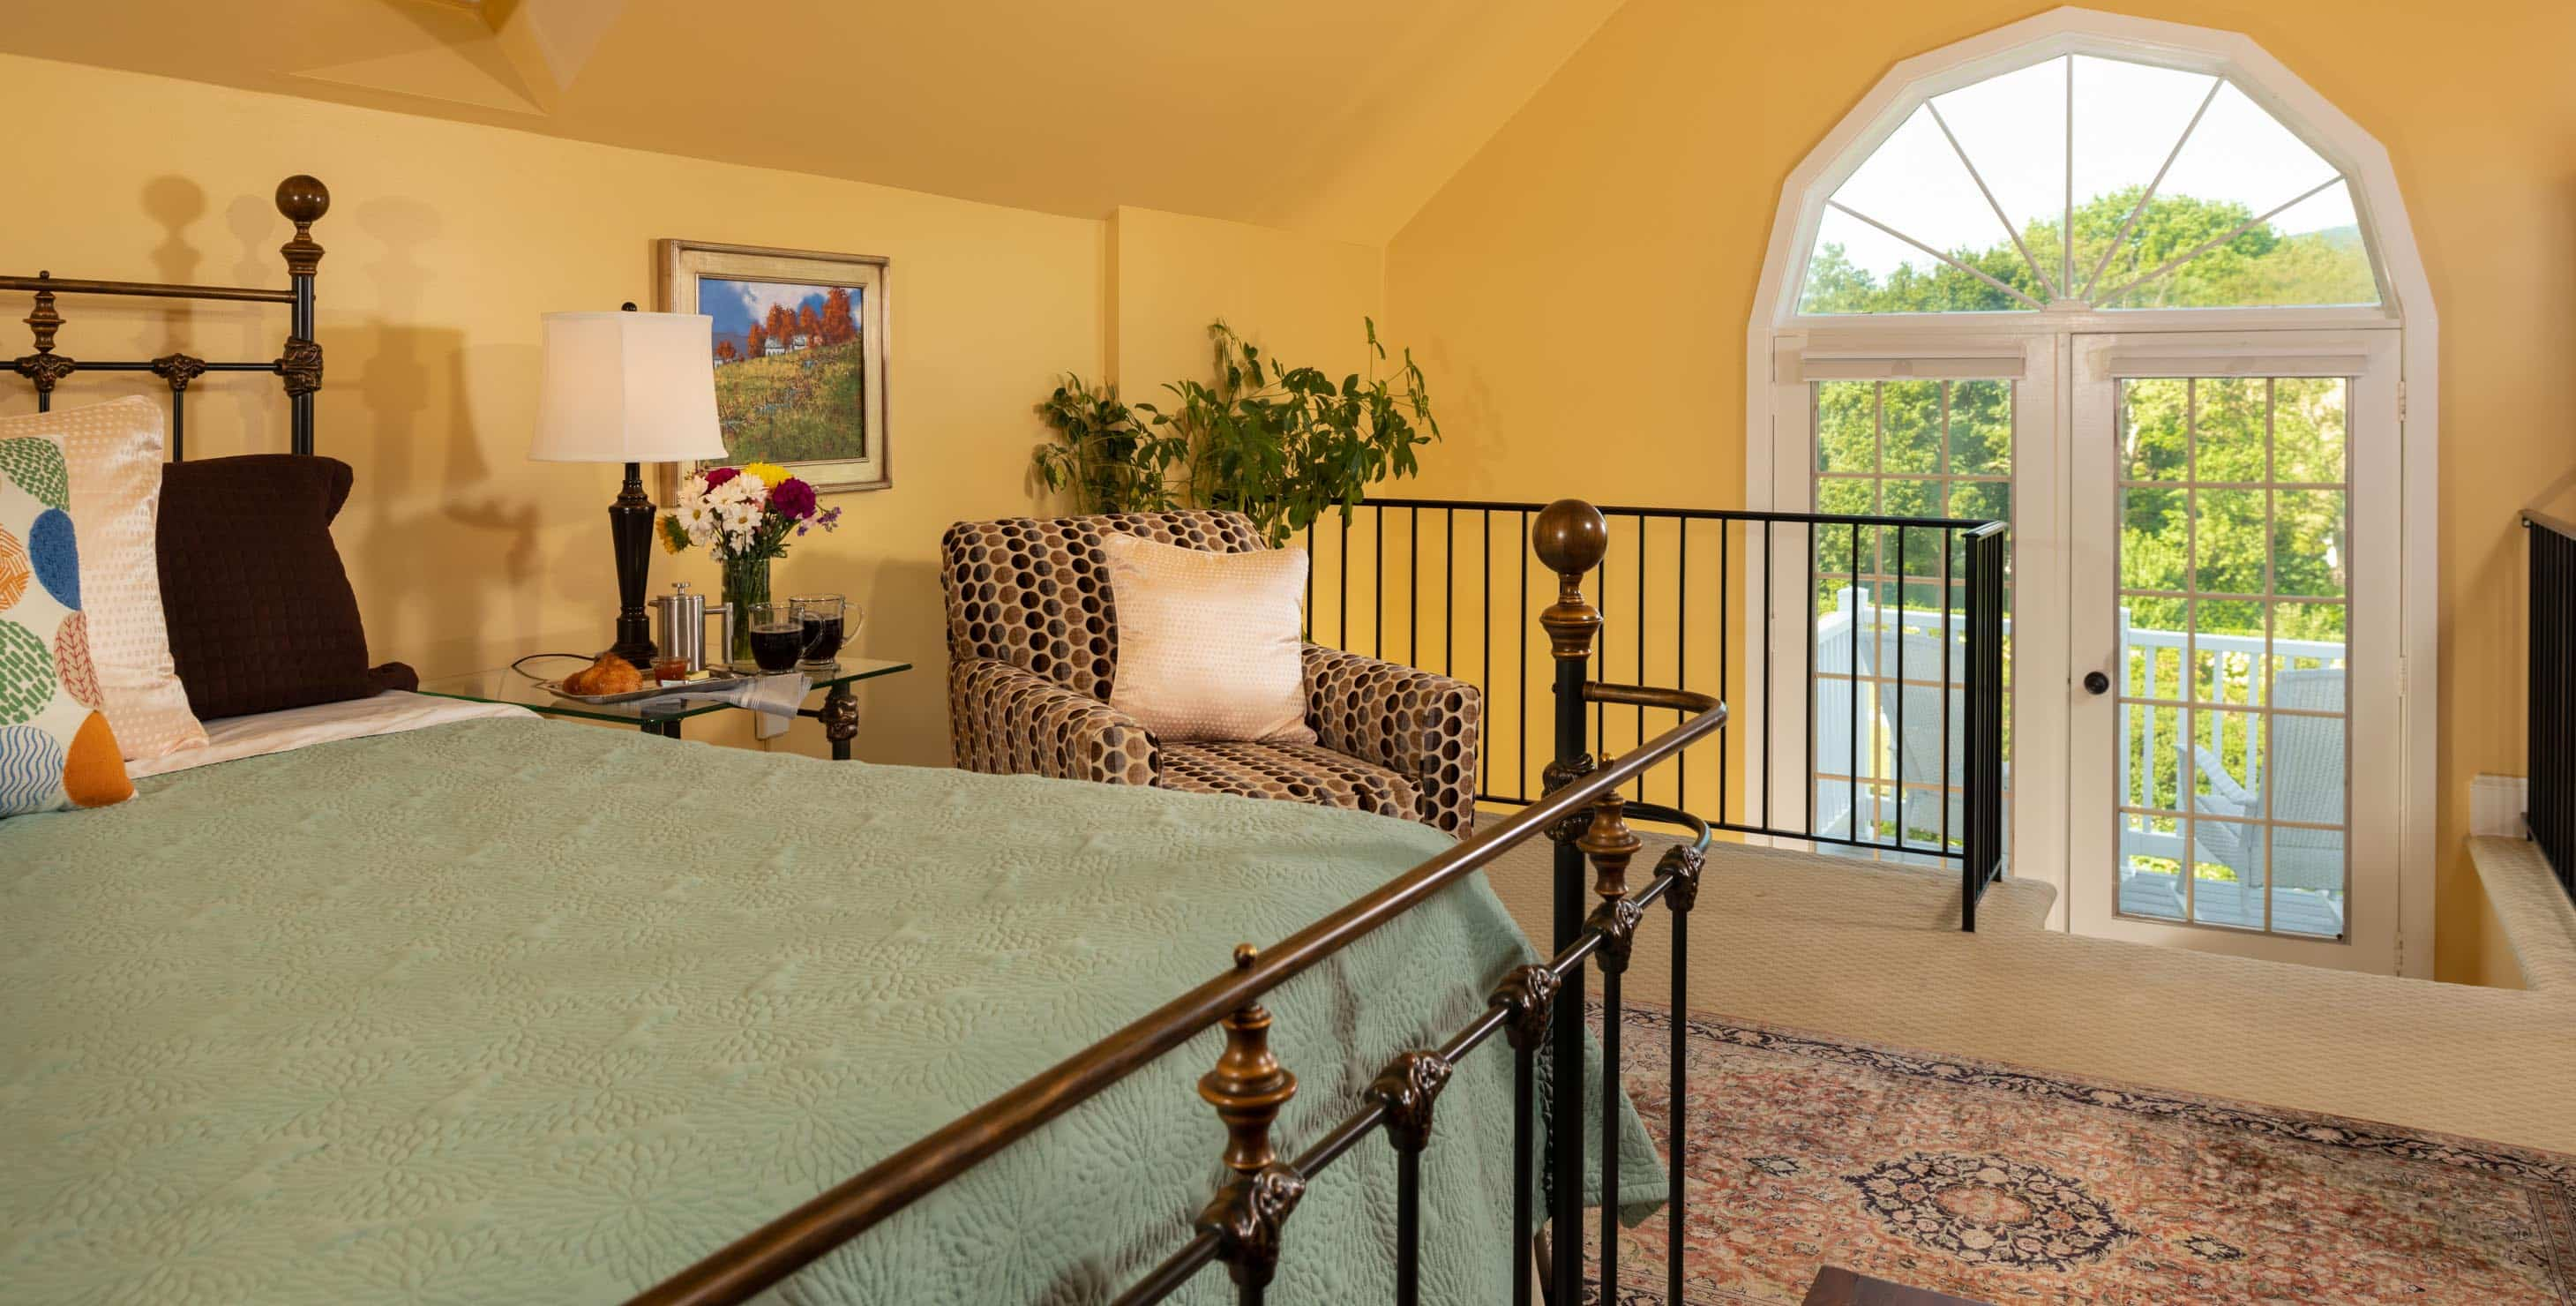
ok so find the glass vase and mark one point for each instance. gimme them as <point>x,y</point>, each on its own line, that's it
<point>746,582</point>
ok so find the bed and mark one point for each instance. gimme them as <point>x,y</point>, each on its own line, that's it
<point>504,1010</point>
<point>403,997</point>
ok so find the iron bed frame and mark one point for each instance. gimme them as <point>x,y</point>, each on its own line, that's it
<point>299,364</point>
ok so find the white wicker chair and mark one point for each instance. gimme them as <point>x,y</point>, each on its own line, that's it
<point>2306,769</point>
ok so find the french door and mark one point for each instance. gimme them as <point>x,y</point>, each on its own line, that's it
<point>2233,706</point>
<point>1876,425</point>
<point>2202,734</point>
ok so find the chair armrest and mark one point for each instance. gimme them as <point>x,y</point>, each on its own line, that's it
<point>1418,725</point>
<point>1007,720</point>
<point>2222,783</point>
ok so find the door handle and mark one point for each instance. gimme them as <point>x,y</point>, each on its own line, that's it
<point>2096,683</point>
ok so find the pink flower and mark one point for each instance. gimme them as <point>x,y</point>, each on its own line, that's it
<point>719,475</point>
<point>792,498</point>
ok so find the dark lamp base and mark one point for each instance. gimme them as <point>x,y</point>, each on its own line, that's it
<point>630,533</point>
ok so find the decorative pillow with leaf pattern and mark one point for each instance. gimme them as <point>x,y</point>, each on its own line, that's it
<point>56,750</point>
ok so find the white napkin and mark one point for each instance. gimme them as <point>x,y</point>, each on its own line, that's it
<point>775,698</point>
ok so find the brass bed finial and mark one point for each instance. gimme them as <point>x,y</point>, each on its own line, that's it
<point>1610,844</point>
<point>303,199</point>
<point>1570,538</point>
<point>1248,1086</point>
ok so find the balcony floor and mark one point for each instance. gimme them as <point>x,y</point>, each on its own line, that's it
<point>2157,895</point>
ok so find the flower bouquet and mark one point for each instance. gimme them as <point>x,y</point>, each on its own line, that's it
<point>743,517</point>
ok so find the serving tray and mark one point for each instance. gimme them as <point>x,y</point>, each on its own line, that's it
<point>716,678</point>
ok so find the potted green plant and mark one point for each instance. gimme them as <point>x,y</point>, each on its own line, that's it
<point>1278,444</point>
<point>1109,459</point>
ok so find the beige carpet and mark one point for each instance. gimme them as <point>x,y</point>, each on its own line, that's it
<point>1807,942</point>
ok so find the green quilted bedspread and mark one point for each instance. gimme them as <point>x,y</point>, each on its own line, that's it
<point>509,1011</point>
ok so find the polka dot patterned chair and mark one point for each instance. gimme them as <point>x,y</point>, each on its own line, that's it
<point>1033,649</point>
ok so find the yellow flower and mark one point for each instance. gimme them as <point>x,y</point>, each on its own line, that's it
<point>770,474</point>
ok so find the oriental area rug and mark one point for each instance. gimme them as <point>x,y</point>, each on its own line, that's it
<point>2013,1186</point>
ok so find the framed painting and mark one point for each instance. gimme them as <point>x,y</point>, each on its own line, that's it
<point>800,355</point>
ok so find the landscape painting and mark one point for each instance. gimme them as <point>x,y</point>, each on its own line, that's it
<point>799,342</point>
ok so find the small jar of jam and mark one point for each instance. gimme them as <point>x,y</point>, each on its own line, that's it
<point>671,671</point>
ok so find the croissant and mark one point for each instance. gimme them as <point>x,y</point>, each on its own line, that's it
<point>611,674</point>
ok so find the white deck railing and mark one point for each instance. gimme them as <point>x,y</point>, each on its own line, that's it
<point>2230,664</point>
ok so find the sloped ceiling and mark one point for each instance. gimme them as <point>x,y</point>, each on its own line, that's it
<point>1335,117</point>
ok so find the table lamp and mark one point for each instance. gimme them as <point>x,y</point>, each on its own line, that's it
<point>632,388</point>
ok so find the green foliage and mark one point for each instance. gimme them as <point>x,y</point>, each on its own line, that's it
<point>2255,266</point>
<point>1278,444</point>
<point>1112,461</point>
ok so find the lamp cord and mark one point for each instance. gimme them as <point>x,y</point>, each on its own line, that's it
<point>522,670</point>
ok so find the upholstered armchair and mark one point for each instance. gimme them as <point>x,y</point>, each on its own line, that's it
<point>1033,650</point>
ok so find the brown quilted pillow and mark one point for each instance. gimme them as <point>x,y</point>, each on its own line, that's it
<point>260,610</point>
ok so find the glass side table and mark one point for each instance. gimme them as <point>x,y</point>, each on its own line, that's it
<point>839,710</point>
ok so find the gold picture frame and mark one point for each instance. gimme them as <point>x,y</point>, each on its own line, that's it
<point>801,340</point>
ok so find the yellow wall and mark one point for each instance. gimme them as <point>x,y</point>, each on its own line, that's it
<point>1580,289</point>
<point>1299,298</point>
<point>448,240</point>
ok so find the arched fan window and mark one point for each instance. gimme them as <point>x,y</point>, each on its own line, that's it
<point>2180,191</point>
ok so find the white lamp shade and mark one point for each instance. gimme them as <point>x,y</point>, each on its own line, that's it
<point>627,388</point>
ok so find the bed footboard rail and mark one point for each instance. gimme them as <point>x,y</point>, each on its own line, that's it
<point>1538,1008</point>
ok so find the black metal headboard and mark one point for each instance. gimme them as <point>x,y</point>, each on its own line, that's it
<point>303,200</point>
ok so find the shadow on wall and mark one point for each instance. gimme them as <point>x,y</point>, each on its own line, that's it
<point>441,543</point>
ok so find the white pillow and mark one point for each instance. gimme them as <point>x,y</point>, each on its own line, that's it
<point>114,454</point>
<point>1210,645</point>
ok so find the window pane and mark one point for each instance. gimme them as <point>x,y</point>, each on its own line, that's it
<point>1846,426</point>
<point>2153,415</point>
<point>2152,538</point>
<point>1981,501</point>
<point>1912,419</point>
<point>2308,542</point>
<point>1981,426</point>
<point>2307,635</point>
<point>2227,763</point>
<point>2128,118</point>
<point>2227,430</point>
<point>2307,881</point>
<point>2240,163</point>
<point>1914,182</point>
<point>1844,496</point>
<point>2013,127</point>
<point>2307,772</point>
<point>2227,871</point>
<point>1856,268</point>
<point>2227,651</point>
<point>2310,253</point>
<point>2308,429</point>
<point>2227,541</point>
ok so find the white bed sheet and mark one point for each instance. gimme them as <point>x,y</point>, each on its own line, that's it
<point>391,712</point>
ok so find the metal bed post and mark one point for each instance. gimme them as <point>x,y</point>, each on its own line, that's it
<point>1569,537</point>
<point>1247,1088</point>
<point>303,200</point>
